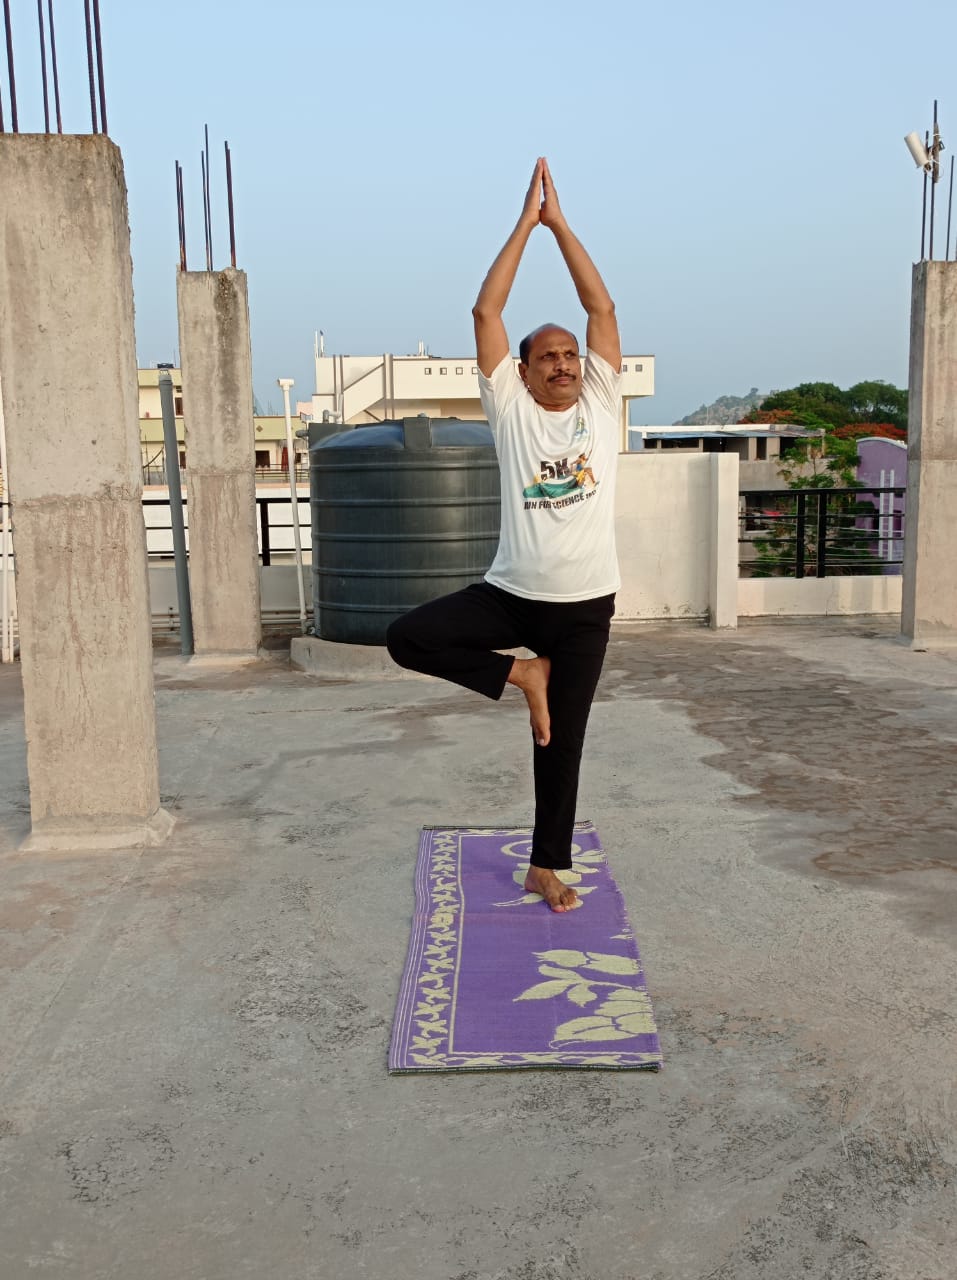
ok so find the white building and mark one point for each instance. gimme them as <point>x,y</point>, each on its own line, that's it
<point>364,389</point>
<point>271,451</point>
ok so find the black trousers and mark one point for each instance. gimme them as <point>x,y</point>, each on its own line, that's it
<point>455,638</point>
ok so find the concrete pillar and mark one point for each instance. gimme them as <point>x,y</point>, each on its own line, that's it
<point>929,605</point>
<point>70,399</point>
<point>220,461</point>
<point>723,564</point>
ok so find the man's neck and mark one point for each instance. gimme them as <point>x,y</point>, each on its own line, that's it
<point>553,406</point>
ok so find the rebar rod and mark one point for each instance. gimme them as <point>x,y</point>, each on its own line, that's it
<point>56,74</point>
<point>923,212</point>
<point>43,68</point>
<point>91,73</point>
<point>180,216</point>
<point>950,205</point>
<point>202,165</point>
<point>934,174</point>
<point>99,65</point>
<point>11,74</point>
<point>229,202</point>
<point>209,207</point>
<point>182,219</point>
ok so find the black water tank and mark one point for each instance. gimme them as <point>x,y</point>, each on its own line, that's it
<point>402,512</point>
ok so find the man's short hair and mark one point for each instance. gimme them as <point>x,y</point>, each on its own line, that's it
<point>525,346</point>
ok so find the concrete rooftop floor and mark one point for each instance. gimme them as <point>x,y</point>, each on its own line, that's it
<point>193,1039</point>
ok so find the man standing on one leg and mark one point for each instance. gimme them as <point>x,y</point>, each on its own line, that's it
<point>551,586</point>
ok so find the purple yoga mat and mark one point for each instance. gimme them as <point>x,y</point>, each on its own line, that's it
<point>495,980</point>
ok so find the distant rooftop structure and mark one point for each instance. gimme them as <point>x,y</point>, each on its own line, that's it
<point>759,445</point>
<point>735,437</point>
<point>365,389</point>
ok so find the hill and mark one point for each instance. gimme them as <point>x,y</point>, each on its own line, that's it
<point>724,411</point>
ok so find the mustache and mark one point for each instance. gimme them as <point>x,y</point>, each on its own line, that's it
<point>569,373</point>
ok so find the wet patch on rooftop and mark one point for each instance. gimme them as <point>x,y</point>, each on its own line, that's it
<point>867,778</point>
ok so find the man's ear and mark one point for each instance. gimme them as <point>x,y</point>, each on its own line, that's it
<point>522,370</point>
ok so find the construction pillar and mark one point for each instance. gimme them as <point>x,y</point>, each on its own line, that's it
<point>72,420</point>
<point>220,462</point>
<point>929,608</point>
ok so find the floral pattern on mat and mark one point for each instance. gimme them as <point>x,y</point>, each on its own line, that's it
<point>487,988</point>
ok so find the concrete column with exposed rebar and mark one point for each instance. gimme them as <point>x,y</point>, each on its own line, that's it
<point>70,399</point>
<point>929,607</point>
<point>220,461</point>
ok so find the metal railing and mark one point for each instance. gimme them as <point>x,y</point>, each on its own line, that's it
<point>271,530</point>
<point>264,475</point>
<point>803,533</point>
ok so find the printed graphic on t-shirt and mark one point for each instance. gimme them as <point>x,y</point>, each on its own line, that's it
<point>563,481</point>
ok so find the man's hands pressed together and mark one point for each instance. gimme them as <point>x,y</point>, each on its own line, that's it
<point>531,210</point>
<point>542,208</point>
<point>541,200</point>
<point>550,214</point>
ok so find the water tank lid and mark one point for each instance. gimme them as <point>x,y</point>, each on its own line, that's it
<point>446,433</point>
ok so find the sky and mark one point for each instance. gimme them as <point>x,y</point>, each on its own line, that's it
<point>737,172</point>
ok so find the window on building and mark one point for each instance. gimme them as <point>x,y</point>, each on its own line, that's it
<point>761,449</point>
<point>475,368</point>
<point>443,369</point>
<point>459,369</point>
<point>638,368</point>
<point>262,457</point>
<point>427,371</point>
<point>624,368</point>
<point>182,459</point>
<point>178,406</point>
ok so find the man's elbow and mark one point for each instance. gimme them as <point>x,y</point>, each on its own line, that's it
<point>604,310</point>
<point>483,311</point>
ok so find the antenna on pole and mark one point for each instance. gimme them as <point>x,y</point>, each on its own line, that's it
<point>926,156</point>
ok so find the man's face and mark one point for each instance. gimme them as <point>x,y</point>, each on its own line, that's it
<point>553,373</point>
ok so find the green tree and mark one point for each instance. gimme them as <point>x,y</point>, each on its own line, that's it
<point>826,460</point>
<point>878,401</point>
<point>812,403</point>
<point>833,461</point>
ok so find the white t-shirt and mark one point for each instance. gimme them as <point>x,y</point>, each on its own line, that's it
<point>557,540</point>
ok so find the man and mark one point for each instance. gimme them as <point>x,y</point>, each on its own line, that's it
<point>551,586</point>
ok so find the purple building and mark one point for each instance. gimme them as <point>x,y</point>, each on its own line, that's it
<point>883,464</point>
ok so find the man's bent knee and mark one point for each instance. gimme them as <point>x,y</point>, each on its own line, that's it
<point>395,642</point>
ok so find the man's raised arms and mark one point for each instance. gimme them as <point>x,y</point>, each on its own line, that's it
<point>491,340</point>
<point>602,333</point>
<point>541,206</point>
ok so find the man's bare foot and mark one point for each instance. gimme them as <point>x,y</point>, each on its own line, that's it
<point>560,897</point>
<point>531,676</point>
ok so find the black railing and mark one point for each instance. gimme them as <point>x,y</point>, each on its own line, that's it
<point>799,533</point>
<point>280,475</point>
<point>269,527</point>
<point>264,475</point>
